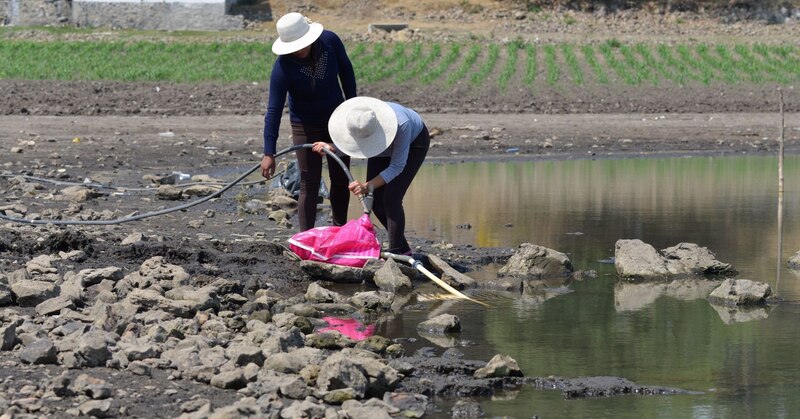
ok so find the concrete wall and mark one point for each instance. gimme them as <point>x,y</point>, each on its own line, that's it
<point>34,12</point>
<point>135,14</point>
<point>156,14</point>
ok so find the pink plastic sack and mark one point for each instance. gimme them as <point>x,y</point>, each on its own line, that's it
<point>352,244</point>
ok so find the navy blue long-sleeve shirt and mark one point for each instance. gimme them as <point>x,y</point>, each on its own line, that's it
<point>310,101</point>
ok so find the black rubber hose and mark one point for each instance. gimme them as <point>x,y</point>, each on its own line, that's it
<point>179,207</point>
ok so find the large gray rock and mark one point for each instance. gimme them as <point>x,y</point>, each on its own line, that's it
<point>360,370</point>
<point>6,296</point>
<point>453,277</point>
<point>41,351</point>
<point>532,260</point>
<point>316,293</point>
<point>391,278</point>
<point>78,194</point>
<point>8,337</point>
<point>293,362</point>
<point>30,293</point>
<point>499,366</point>
<point>741,292</point>
<point>443,323</point>
<point>636,259</point>
<point>691,258</point>
<point>89,277</point>
<point>42,264</point>
<point>54,305</point>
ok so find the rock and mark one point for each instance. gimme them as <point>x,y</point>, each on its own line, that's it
<point>93,348</point>
<point>741,292</point>
<point>499,366</point>
<point>170,193</point>
<point>242,354</point>
<point>41,351</point>
<point>329,340</point>
<point>303,409</point>
<point>8,337</point>
<point>339,371</point>
<point>42,264</point>
<point>78,194</point>
<point>316,293</point>
<point>390,278</point>
<point>278,216</point>
<point>201,190</point>
<point>6,296</point>
<point>95,388</point>
<point>691,258</point>
<point>410,405</point>
<point>30,293</point>
<point>136,237</point>
<point>294,387</point>
<point>339,395</point>
<point>532,260</point>
<point>137,350</point>
<point>140,368</point>
<point>229,379</point>
<point>89,277</point>
<point>374,300</point>
<point>294,361</point>
<point>453,277</point>
<point>96,408</point>
<point>466,409</point>
<point>443,323</point>
<point>794,262</point>
<point>637,259</point>
<point>335,273</point>
<point>54,305</point>
<point>376,344</point>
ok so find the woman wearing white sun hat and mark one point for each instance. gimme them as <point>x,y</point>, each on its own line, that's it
<point>313,69</point>
<point>395,141</point>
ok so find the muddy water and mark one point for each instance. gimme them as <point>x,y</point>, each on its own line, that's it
<point>663,333</point>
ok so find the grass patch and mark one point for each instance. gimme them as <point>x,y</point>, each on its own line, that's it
<point>560,64</point>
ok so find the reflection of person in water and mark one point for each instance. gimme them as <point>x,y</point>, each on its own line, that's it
<point>349,327</point>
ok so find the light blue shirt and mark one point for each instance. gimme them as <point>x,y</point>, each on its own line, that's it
<point>409,125</point>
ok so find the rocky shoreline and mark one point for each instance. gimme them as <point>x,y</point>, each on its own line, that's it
<point>83,340</point>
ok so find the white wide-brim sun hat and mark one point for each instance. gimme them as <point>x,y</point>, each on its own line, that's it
<point>295,32</point>
<point>363,127</point>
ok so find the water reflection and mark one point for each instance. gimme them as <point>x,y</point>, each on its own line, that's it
<point>658,333</point>
<point>630,296</point>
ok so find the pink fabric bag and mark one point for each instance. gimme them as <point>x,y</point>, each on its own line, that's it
<point>352,244</point>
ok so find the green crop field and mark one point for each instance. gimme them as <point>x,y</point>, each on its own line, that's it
<point>512,65</point>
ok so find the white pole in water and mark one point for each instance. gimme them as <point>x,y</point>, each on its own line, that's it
<point>780,194</point>
<point>780,149</point>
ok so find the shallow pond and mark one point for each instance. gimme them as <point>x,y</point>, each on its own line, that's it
<point>658,333</point>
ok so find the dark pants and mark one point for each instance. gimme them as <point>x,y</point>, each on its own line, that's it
<point>388,200</point>
<point>310,165</point>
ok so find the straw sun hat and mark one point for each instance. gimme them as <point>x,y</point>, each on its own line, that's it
<point>363,126</point>
<point>295,32</point>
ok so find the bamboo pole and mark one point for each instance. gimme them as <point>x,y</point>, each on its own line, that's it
<point>780,196</point>
<point>780,148</point>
